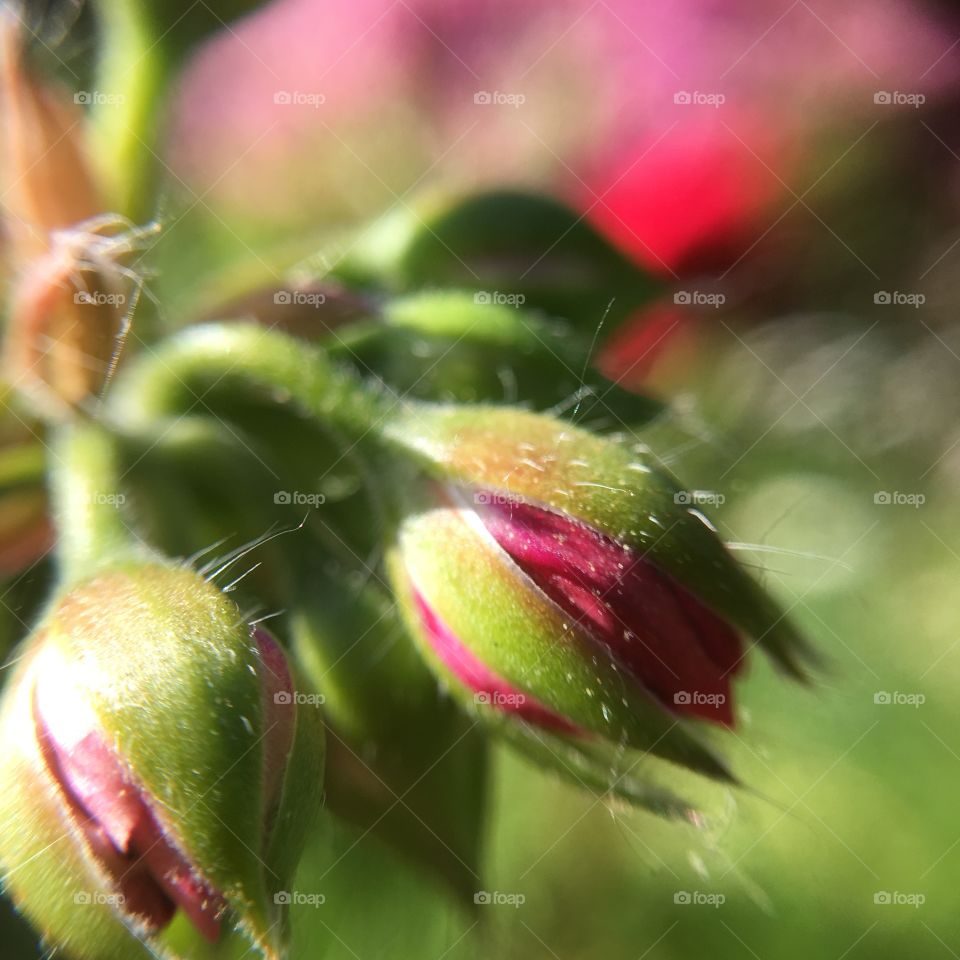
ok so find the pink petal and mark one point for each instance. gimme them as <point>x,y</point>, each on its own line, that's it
<point>477,677</point>
<point>118,822</point>
<point>673,645</point>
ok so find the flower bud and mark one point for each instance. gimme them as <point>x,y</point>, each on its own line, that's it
<point>67,318</point>
<point>485,348</point>
<point>47,180</point>
<point>558,577</point>
<point>71,294</point>
<point>158,774</point>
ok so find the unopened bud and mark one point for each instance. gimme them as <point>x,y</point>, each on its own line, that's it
<point>47,181</point>
<point>71,292</point>
<point>155,763</point>
<point>553,575</point>
<point>66,324</point>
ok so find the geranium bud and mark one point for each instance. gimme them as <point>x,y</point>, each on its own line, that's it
<point>159,771</point>
<point>560,578</point>
<point>47,181</point>
<point>71,292</point>
<point>66,323</point>
<point>525,247</point>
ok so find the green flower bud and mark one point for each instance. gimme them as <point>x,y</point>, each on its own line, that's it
<point>158,771</point>
<point>560,578</point>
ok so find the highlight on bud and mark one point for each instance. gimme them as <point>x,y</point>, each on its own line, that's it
<point>552,577</point>
<point>158,778</point>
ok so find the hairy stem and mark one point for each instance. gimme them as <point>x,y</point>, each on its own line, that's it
<point>183,376</point>
<point>87,503</point>
<point>177,375</point>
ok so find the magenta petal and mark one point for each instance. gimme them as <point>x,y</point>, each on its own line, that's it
<point>90,772</point>
<point>118,822</point>
<point>279,711</point>
<point>202,905</point>
<point>480,679</point>
<point>654,627</point>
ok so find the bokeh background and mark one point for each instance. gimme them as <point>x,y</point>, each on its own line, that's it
<point>790,171</point>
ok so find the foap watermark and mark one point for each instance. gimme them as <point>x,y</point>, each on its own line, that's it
<point>498,98</point>
<point>698,98</point>
<point>499,298</point>
<point>298,498</point>
<point>899,298</point>
<point>297,898</point>
<point>105,498</point>
<point>299,298</point>
<point>89,898</point>
<point>290,697</point>
<point>697,898</point>
<point>699,298</point>
<point>686,698</point>
<point>498,898</point>
<point>897,898</point>
<point>494,498</point>
<point>299,98</point>
<point>897,498</point>
<point>497,698</point>
<point>98,98</point>
<point>899,98</point>
<point>897,698</point>
<point>696,498</point>
<point>97,298</point>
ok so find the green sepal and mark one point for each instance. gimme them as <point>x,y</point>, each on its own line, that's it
<point>45,874</point>
<point>605,769</point>
<point>173,679</point>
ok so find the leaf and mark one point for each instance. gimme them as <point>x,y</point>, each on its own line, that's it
<point>504,244</point>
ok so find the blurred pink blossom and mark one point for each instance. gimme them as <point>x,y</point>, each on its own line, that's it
<point>598,110</point>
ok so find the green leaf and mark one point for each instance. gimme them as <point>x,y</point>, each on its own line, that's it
<point>503,244</point>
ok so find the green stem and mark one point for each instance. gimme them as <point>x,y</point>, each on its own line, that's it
<point>132,75</point>
<point>178,374</point>
<point>183,375</point>
<point>87,503</point>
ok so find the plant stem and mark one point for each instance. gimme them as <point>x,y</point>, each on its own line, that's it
<point>87,503</point>
<point>132,76</point>
<point>178,374</point>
